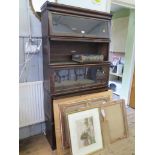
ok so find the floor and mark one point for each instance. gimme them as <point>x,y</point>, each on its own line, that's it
<point>38,145</point>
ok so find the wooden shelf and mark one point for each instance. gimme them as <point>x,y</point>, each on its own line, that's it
<point>74,64</point>
<point>63,63</point>
<point>115,74</point>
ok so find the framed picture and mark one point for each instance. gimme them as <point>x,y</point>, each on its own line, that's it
<point>60,117</point>
<point>116,118</point>
<point>72,107</point>
<point>85,131</point>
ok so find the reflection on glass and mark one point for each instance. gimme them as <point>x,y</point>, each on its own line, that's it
<point>80,26</point>
<point>78,77</point>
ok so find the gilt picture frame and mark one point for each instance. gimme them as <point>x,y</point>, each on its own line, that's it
<point>60,117</point>
<point>85,131</point>
<point>72,107</point>
<point>117,124</point>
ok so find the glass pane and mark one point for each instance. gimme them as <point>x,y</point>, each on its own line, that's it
<point>75,25</point>
<point>82,77</point>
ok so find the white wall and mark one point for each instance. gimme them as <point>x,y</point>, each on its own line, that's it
<point>129,59</point>
<point>119,34</point>
<point>34,69</point>
<point>103,5</point>
<point>89,4</point>
<point>24,23</point>
<point>128,1</point>
<point>125,3</point>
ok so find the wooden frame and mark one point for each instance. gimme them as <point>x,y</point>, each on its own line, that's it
<point>73,107</point>
<point>106,122</point>
<point>99,139</point>
<point>61,150</point>
<point>104,104</point>
<point>117,122</point>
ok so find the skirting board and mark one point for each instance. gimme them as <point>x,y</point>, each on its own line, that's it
<point>31,130</point>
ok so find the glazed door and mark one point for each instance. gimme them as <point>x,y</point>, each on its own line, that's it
<point>78,78</point>
<point>71,25</point>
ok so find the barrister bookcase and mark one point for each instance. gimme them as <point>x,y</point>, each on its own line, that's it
<point>69,31</point>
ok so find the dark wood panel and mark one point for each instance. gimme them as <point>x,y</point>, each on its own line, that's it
<point>73,65</point>
<point>63,51</point>
<point>77,39</point>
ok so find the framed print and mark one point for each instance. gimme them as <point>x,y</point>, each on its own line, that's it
<point>68,105</point>
<point>85,131</point>
<point>115,115</point>
<point>72,107</point>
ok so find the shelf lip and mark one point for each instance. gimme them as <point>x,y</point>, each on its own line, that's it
<point>119,75</point>
<point>78,38</point>
<point>78,64</point>
<point>60,94</point>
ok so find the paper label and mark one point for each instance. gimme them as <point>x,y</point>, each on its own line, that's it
<point>103,112</point>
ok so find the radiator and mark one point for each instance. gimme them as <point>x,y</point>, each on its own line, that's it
<point>31,107</point>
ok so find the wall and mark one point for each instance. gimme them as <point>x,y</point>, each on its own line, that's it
<point>119,34</point>
<point>34,69</point>
<point>121,13</point>
<point>119,30</point>
<point>102,5</point>
<point>129,58</point>
<point>128,1</point>
<point>125,3</point>
<point>23,18</point>
<point>129,51</point>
